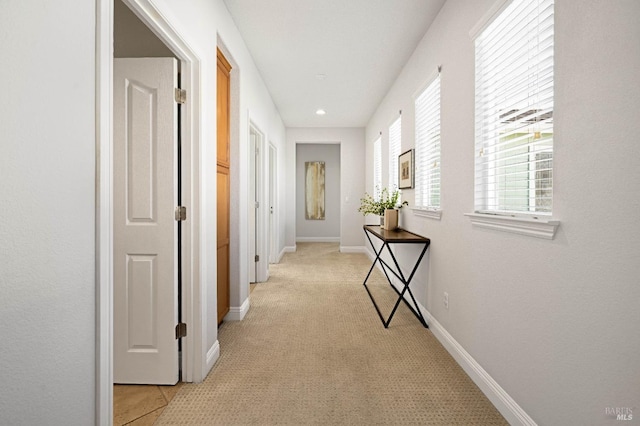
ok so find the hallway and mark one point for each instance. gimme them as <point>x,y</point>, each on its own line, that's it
<point>538,309</point>
<point>312,351</point>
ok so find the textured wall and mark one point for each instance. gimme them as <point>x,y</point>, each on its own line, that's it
<point>47,175</point>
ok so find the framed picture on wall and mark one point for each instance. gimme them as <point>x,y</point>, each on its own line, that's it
<point>314,190</point>
<point>406,170</point>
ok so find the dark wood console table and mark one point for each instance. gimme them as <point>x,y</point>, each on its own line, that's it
<point>399,236</point>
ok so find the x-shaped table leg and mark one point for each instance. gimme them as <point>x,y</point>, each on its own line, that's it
<point>400,276</point>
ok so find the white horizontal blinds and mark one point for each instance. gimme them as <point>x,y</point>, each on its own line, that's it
<point>395,137</point>
<point>377,168</point>
<point>514,110</point>
<point>428,146</point>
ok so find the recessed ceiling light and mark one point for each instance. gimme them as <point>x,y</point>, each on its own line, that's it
<point>321,76</point>
<point>321,112</point>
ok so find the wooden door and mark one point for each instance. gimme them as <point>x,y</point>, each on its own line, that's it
<point>145,161</point>
<point>223,166</point>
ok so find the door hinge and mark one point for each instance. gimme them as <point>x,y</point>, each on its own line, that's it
<point>181,330</point>
<point>181,96</point>
<point>181,213</point>
<point>257,258</point>
<point>257,204</point>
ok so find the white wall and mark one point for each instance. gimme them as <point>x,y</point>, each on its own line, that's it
<point>47,170</point>
<point>47,166</point>
<point>132,38</point>
<point>553,322</point>
<point>329,227</point>
<point>352,182</point>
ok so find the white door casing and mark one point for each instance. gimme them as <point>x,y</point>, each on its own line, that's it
<point>273,247</point>
<point>258,215</point>
<point>252,206</point>
<point>145,231</point>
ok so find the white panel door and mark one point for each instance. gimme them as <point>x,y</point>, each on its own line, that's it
<point>145,231</point>
<point>252,206</point>
<point>273,248</point>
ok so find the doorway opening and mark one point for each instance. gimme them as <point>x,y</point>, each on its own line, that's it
<point>146,190</point>
<point>191,362</point>
<point>310,227</point>
<point>258,258</point>
<point>273,214</point>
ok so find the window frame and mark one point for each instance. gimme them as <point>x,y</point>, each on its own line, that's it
<point>377,167</point>
<point>428,209</point>
<point>531,223</point>
<point>393,155</point>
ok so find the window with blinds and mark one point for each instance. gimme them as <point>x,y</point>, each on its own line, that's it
<point>377,168</point>
<point>395,137</point>
<point>514,110</point>
<point>427,109</point>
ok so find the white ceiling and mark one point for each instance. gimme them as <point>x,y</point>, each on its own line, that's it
<point>359,45</point>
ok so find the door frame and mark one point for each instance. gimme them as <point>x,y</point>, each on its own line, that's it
<point>252,211</point>
<point>258,233</point>
<point>193,359</point>
<point>273,203</point>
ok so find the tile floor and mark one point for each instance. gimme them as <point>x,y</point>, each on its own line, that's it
<point>140,405</point>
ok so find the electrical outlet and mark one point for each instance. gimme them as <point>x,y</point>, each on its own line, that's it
<point>446,300</point>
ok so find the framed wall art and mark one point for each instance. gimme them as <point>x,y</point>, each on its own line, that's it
<point>314,190</point>
<point>406,170</point>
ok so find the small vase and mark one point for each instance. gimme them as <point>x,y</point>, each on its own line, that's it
<point>390,219</point>
<point>382,220</point>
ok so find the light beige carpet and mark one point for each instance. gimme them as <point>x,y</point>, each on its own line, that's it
<point>312,350</point>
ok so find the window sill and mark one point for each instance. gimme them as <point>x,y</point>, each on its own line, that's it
<point>540,227</point>
<point>431,214</point>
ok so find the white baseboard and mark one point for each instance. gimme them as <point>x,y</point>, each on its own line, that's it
<point>353,249</point>
<point>290,249</point>
<point>507,406</point>
<point>317,239</point>
<point>212,356</point>
<point>512,412</point>
<point>238,313</point>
